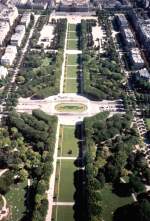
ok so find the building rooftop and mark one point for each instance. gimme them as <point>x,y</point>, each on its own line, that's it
<point>129,35</point>
<point>144,73</point>
<point>11,49</point>
<point>20,28</point>
<point>136,55</point>
<point>122,19</point>
<point>145,28</point>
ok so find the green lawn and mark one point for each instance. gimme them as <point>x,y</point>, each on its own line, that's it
<point>72,59</point>
<point>16,198</point>
<point>72,44</point>
<point>71,71</point>
<point>64,213</point>
<point>70,86</point>
<point>66,185</point>
<point>148,123</point>
<point>72,35</point>
<point>68,144</point>
<point>72,27</point>
<point>110,202</point>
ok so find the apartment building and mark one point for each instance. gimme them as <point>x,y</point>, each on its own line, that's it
<point>121,21</point>
<point>4,29</point>
<point>25,20</point>
<point>136,60</point>
<point>17,38</point>
<point>143,74</point>
<point>71,5</point>
<point>9,14</point>
<point>142,26</point>
<point>128,37</point>
<point>10,53</point>
<point>3,72</point>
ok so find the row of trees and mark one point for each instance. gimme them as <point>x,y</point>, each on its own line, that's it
<point>40,73</point>
<point>60,34</point>
<point>27,145</point>
<point>42,20</point>
<point>99,68</point>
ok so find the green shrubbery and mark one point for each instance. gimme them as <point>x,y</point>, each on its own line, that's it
<point>109,143</point>
<point>27,150</point>
<point>101,72</point>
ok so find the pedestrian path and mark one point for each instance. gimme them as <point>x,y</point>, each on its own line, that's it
<point>63,203</point>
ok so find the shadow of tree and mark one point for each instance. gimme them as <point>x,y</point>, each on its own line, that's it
<point>122,189</point>
<point>79,196</point>
<point>126,213</point>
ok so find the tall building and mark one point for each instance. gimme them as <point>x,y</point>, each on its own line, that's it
<point>73,5</point>
<point>8,13</point>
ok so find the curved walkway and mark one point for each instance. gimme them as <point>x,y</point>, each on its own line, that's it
<point>4,211</point>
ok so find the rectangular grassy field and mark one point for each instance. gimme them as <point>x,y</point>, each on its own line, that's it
<point>68,144</point>
<point>66,184</point>
<point>63,213</point>
<point>72,27</point>
<point>16,199</point>
<point>72,71</point>
<point>72,44</point>
<point>72,59</point>
<point>71,86</point>
<point>72,35</point>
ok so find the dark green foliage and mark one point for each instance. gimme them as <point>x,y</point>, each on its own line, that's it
<point>100,68</point>
<point>41,73</point>
<point>33,137</point>
<point>109,142</point>
<point>136,184</point>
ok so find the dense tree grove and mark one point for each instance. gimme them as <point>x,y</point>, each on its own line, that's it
<point>110,142</point>
<point>100,67</point>
<point>139,211</point>
<point>27,145</point>
<point>40,75</point>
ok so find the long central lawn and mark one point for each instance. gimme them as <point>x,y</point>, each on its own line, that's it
<point>72,27</point>
<point>110,202</point>
<point>69,142</point>
<point>66,185</point>
<point>71,71</point>
<point>72,44</point>
<point>72,59</point>
<point>72,35</point>
<point>64,213</point>
<point>71,86</point>
<point>15,199</point>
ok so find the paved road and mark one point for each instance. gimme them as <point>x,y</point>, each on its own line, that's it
<point>48,105</point>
